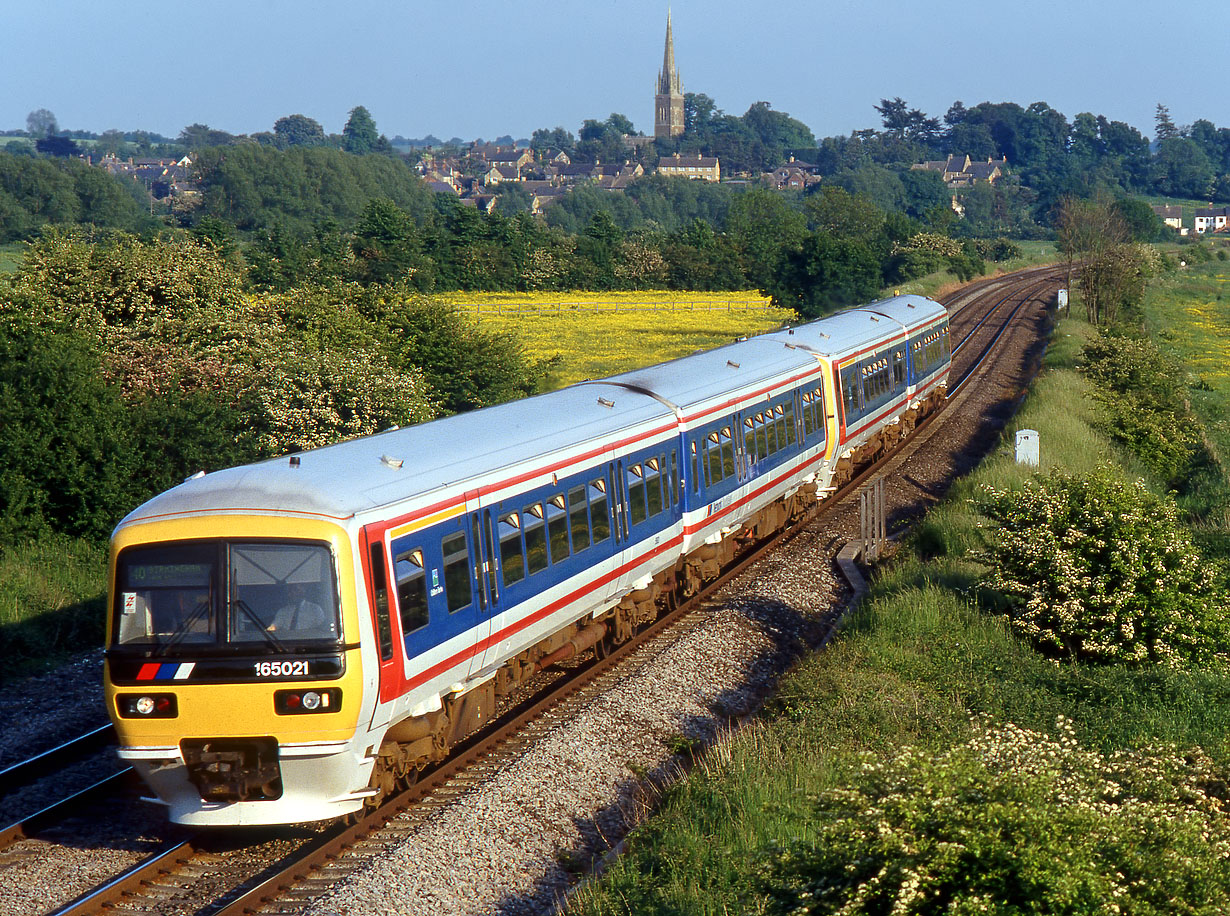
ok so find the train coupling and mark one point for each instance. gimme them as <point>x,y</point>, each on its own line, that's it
<point>234,770</point>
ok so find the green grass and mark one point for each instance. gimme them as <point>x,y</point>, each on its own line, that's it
<point>11,256</point>
<point>912,667</point>
<point>51,602</point>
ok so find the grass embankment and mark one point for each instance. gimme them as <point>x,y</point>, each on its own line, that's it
<point>817,806</point>
<point>11,256</point>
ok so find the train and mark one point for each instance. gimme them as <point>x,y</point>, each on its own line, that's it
<point>288,641</point>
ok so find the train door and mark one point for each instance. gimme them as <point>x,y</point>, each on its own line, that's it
<point>620,525</point>
<point>485,524</point>
<point>486,590</point>
<point>390,662</point>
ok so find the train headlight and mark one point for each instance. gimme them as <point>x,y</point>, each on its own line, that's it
<point>304,701</point>
<point>147,705</point>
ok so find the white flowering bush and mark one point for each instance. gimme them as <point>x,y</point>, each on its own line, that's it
<point>1013,821</point>
<point>1098,568</point>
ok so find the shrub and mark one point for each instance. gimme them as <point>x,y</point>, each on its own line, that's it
<point>1145,408</point>
<point>1100,569</point>
<point>1013,821</point>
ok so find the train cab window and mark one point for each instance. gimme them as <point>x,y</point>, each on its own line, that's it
<point>532,522</point>
<point>411,590</point>
<point>286,589</point>
<point>578,518</point>
<point>653,486</point>
<point>599,511</point>
<point>557,528</point>
<point>458,588</point>
<point>512,559</point>
<point>635,477</point>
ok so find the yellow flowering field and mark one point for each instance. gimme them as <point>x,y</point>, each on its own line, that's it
<point>591,335</point>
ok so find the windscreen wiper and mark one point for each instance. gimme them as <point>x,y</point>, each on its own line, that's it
<point>273,641</point>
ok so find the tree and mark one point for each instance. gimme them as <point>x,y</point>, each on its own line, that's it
<point>41,123</point>
<point>1181,169</point>
<point>359,136</point>
<point>1092,232</point>
<point>1166,129</point>
<point>765,228</point>
<point>202,136</point>
<point>298,130</point>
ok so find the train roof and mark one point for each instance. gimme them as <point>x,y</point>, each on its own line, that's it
<point>856,329</point>
<point>690,382</point>
<point>361,474</point>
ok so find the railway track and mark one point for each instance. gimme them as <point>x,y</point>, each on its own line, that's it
<point>163,883</point>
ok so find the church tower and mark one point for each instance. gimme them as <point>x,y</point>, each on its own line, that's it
<point>668,103</point>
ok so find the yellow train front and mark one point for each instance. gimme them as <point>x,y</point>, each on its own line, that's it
<point>234,673</point>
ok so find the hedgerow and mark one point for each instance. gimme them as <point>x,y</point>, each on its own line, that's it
<point>1098,568</point>
<point>1010,822</point>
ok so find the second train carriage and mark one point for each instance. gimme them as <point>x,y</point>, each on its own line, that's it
<point>288,638</point>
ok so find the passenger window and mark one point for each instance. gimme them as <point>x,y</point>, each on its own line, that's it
<point>411,590</point>
<point>770,428</point>
<point>578,518</point>
<point>791,428</point>
<point>749,439</point>
<point>535,537</point>
<point>557,527</point>
<point>599,515</point>
<point>512,559</point>
<point>728,453</point>
<point>457,587</point>
<point>636,494</point>
<point>653,485</point>
<point>713,451</point>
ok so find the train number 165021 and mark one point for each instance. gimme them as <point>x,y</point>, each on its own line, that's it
<point>281,669</point>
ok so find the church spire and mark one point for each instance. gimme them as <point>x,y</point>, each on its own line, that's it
<point>668,80</point>
<point>668,104</point>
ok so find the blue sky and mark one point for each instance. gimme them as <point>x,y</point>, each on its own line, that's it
<point>480,68</point>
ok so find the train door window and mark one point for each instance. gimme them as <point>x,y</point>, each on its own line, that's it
<point>676,494</point>
<point>653,485</point>
<point>478,562</point>
<point>512,556</point>
<point>599,514</point>
<point>619,495</point>
<point>380,589</point>
<point>411,590</point>
<point>695,470</point>
<point>557,528</point>
<point>635,482</point>
<point>728,453</point>
<point>458,587</point>
<point>535,528</point>
<point>491,558</point>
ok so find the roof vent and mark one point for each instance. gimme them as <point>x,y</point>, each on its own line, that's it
<point>197,476</point>
<point>875,319</point>
<point>605,403</point>
<point>294,461</point>
<point>392,462</point>
<point>909,305</point>
<point>732,364</point>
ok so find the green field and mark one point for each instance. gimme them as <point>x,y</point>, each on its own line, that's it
<point>10,257</point>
